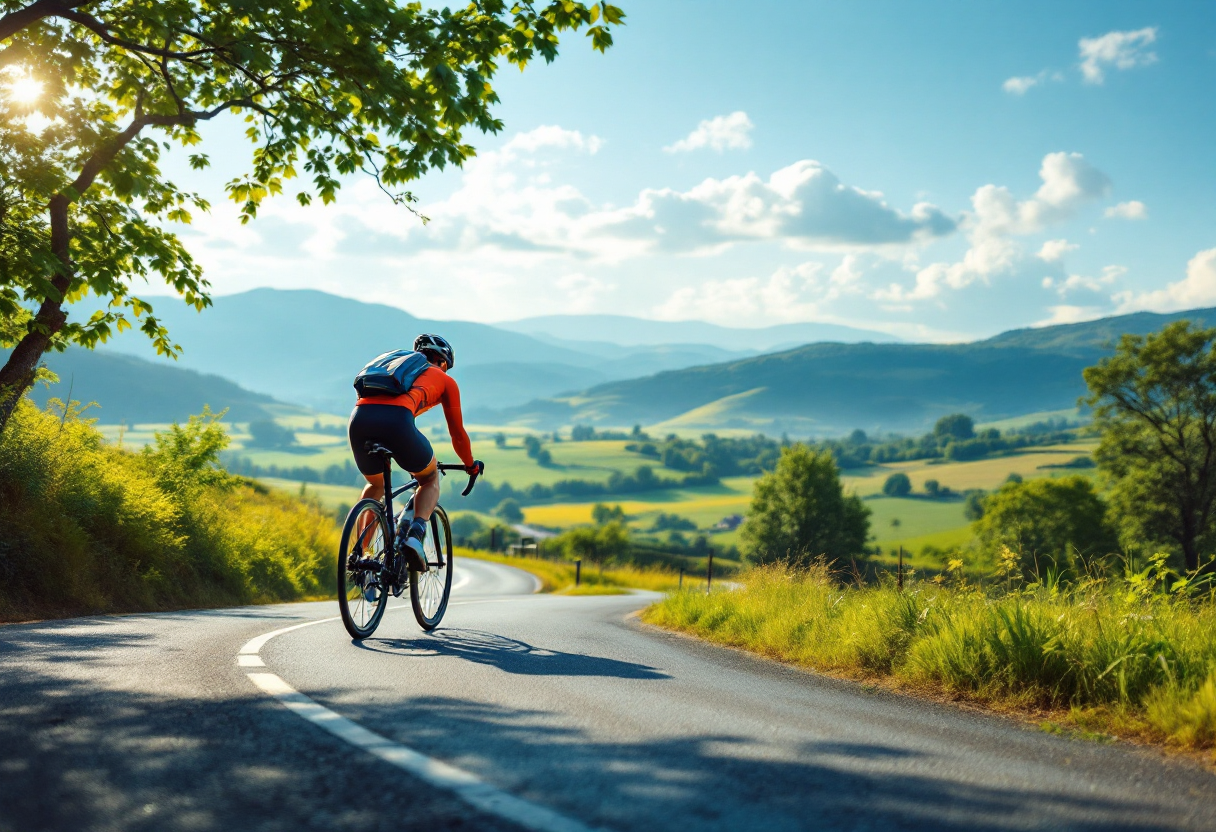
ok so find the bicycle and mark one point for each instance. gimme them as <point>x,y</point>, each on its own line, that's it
<point>372,565</point>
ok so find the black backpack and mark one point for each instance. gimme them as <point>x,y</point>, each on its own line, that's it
<point>391,374</point>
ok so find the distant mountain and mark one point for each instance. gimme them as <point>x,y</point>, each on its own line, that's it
<point>131,390</point>
<point>629,331</point>
<point>306,347</point>
<point>829,389</point>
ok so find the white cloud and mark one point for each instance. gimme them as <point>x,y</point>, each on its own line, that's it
<point>804,204</point>
<point>1133,210</point>
<point>1080,282</point>
<point>1054,250</point>
<point>790,293</point>
<point>732,132</point>
<point>1020,85</point>
<point>996,217</point>
<point>1121,50</point>
<point>1197,289</point>
<point>1068,314</point>
<point>583,293</point>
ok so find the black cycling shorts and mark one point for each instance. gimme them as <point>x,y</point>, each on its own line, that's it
<point>393,427</point>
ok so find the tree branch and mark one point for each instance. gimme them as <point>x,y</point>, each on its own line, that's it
<point>14,22</point>
<point>102,31</point>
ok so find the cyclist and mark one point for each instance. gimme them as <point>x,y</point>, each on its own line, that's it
<point>389,421</point>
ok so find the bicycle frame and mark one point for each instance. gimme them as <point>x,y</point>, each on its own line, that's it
<point>390,493</point>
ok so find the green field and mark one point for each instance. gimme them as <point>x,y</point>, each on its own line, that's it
<point>914,522</point>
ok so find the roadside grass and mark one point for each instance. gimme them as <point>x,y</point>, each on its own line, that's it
<point>558,576</point>
<point>89,527</point>
<point>1102,657</point>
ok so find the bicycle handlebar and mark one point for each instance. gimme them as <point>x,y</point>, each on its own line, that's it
<point>481,469</point>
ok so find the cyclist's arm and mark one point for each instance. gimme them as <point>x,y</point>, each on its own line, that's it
<point>451,412</point>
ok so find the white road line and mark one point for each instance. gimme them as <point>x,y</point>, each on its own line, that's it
<point>465,785</point>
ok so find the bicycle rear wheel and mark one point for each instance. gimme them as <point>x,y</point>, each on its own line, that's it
<point>361,594</point>
<point>429,590</point>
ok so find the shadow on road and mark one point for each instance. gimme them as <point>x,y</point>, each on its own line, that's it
<point>81,751</point>
<point>719,781</point>
<point>89,752</point>
<point>509,655</point>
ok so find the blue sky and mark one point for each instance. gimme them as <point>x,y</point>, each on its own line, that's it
<point>936,170</point>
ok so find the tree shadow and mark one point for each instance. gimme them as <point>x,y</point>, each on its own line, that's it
<point>508,654</point>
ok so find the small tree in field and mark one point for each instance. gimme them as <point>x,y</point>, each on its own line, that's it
<point>897,485</point>
<point>800,512</point>
<point>326,89</point>
<point>1155,402</point>
<point>954,426</point>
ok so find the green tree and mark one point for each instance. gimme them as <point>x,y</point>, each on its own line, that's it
<point>1047,522</point>
<point>933,488</point>
<point>800,511</point>
<point>602,514</point>
<point>326,89</point>
<point>509,511</point>
<point>500,440</point>
<point>897,485</point>
<point>1154,402</point>
<point>954,426</point>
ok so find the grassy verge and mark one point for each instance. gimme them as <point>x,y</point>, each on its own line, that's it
<point>91,528</point>
<point>1106,657</point>
<point>558,576</point>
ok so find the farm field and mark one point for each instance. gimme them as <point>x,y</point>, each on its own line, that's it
<point>914,522</point>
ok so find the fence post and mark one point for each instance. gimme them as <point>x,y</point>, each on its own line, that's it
<point>899,575</point>
<point>578,571</point>
<point>493,529</point>
<point>709,581</point>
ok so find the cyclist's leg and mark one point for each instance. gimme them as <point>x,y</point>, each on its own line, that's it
<point>427,495</point>
<point>365,425</point>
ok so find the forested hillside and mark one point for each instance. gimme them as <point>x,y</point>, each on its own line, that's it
<point>830,389</point>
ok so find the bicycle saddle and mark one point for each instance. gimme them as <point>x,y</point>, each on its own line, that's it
<point>376,449</point>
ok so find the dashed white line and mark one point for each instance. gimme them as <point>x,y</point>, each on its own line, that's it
<point>465,785</point>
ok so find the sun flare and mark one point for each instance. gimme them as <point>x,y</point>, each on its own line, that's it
<point>25,90</point>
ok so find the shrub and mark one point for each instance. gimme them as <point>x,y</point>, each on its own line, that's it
<point>897,485</point>
<point>1047,522</point>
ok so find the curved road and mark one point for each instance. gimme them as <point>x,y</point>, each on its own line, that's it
<point>531,712</point>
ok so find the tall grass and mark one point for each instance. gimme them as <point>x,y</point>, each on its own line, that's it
<point>1118,655</point>
<point>90,527</point>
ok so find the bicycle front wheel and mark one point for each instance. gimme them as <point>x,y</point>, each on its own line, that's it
<point>362,595</point>
<point>429,590</point>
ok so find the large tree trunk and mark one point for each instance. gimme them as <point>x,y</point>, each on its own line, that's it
<point>17,375</point>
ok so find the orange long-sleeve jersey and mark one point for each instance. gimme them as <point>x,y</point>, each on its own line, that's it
<point>433,386</point>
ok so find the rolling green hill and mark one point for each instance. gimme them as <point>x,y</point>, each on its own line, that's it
<point>134,391</point>
<point>829,389</point>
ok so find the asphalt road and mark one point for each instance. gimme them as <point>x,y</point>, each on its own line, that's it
<point>539,712</point>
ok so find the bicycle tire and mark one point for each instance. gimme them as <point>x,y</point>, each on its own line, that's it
<point>429,591</point>
<point>361,598</point>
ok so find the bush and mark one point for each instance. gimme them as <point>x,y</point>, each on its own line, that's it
<point>93,528</point>
<point>1048,522</point>
<point>509,511</point>
<point>897,485</point>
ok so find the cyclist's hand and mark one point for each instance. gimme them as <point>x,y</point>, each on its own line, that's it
<point>478,467</point>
